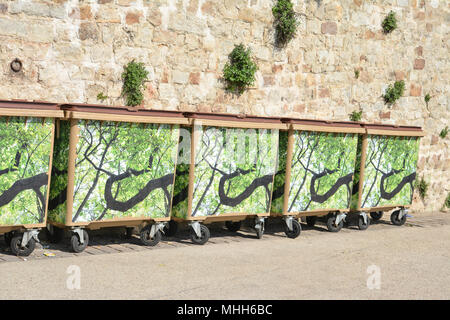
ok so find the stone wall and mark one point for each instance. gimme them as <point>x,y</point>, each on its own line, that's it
<point>73,49</point>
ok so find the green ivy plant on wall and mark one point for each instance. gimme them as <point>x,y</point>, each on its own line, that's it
<point>239,72</point>
<point>444,132</point>
<point>422,186</point>
<point>285,21</point>
<point>447,201</point>
<point>356,115</point>
<point>389,23</point>
<point>394,92</point>
<point>101,97</point>
<point>134,77</point>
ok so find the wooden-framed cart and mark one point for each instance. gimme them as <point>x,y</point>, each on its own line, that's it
<point>26,142</point>
<point>315,172</point>
<point>227,171</point>
<point>113,166</point>
<point>385,172</point>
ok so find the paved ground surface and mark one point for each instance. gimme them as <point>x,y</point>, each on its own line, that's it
<point>410,262</point>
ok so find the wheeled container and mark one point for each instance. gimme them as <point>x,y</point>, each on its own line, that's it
<point>315,173</point>
<point>113,167</point>
<point>26,148</point>
<point>385,172</point>
<point>225,171</point>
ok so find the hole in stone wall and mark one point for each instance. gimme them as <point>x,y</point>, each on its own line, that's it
<point>16,65</point>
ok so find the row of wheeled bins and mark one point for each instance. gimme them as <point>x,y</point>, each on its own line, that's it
<point>69,168</point>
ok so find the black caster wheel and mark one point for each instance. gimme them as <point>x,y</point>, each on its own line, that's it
<point>361,224</point>
<point>171,229</point>
<point>145,236</point>
<point>233,226</point>
<point>331,224</point>
<point>311,221</point>
<point>75,243</point>
<point>296,229</point>
<point>395,220</point>
<point>129,233</point>
<point>204,235</point>
<point>8,236</point>
<point>56,236</point>
<point>376,215</point>
<point>16,246</point>
<point>259,233</point>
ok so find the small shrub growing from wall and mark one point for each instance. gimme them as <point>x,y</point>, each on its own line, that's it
<point>422,186</point>
<point>427,98</point>
<point>447,201</point>
<point>444,132</point>
<point>239,71</point>
<point>394,92</point>
<point>101,97</point>
<point>134,76</point>
<point>389,23</point>
<point>285,21</point>
<point>356,115</point>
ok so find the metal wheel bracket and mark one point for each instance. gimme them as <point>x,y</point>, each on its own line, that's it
<point>195,225</point>
<point>340,217</point>
<point>402,212</point>
<point>364,215</point>
<point>259,223</point>
<point>80,233</point>
<point>155,227</point>
<point>288,221</point>
<point>28,235</point>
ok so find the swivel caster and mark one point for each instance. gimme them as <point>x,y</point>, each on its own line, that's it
<point>292,228</point>
<point>79,240</point>
<point>259,227</point>
<point>150,235</point>
<point>18,249</point>
<point>199,233</point>
<point>398,217</point>
<point>335,222</point>
<point>363,221</point>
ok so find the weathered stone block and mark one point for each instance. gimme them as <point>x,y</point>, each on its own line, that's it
<point>419,64</point>
<point>329,28</point>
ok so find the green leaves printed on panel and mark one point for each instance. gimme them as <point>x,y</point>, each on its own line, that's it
<point>58,185</point>
<point>390,171</point>
<point>280,176</point>
<point>234,171</point>
<point>124,170</point>
<point>25,146</point>
<point>322,170</point>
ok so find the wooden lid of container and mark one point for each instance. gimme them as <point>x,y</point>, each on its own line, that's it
<point>25,108</point>
<point>393,130</point>
<point>234,120</point>
<point>122,114</point>
<point>324,125</point>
